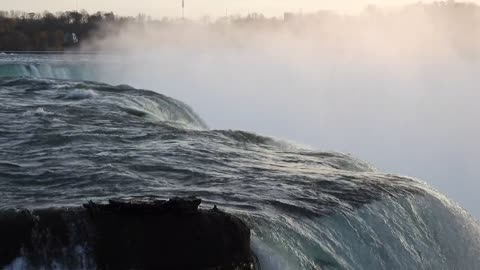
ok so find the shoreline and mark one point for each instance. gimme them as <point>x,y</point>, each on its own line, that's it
<point>75,52</point>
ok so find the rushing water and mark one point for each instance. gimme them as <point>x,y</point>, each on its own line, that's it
<point>64,141</point>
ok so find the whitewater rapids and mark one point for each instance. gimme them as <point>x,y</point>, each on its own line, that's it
<point>64,142</point>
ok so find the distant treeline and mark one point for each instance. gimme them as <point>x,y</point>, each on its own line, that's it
<point>22,31</point>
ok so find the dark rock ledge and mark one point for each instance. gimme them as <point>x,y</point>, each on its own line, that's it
<point>129,234</point>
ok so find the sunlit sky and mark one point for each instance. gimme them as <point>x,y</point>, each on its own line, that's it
<point>196,8</point>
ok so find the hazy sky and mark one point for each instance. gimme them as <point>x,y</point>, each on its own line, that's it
<point>195,8</point>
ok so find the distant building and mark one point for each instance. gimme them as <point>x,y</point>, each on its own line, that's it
<point>70,39</point>
<point>288,16</point>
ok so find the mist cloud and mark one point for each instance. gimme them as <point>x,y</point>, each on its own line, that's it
<point>398,89</point>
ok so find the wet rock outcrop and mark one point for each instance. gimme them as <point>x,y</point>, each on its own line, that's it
<point>128,234</point>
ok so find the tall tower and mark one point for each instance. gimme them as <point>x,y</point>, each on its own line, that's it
<point>183,9</point>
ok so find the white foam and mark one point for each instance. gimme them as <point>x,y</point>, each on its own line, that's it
<point>38,112</point>
<point>19,263</point>
<point>83,262</point>
<point>81,94</point>
<point>268,258</point>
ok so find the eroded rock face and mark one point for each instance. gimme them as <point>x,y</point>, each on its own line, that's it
<point>132,234</point>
